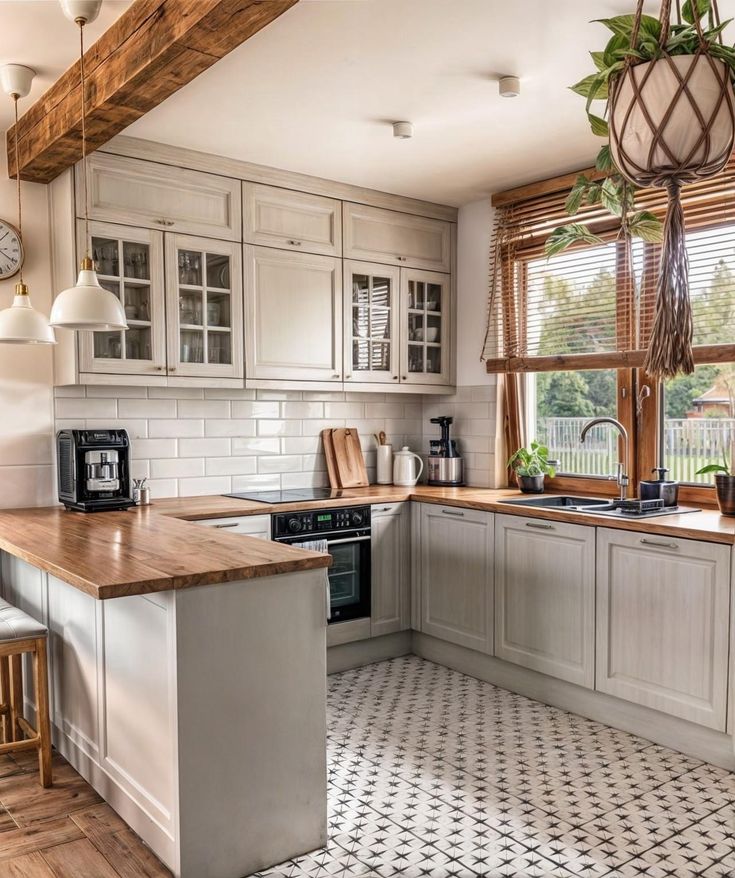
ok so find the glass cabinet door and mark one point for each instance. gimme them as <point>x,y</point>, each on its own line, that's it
<point>204,307</point>
<point>426,327</point>
<point>371,322</point>
<point>129,263</point>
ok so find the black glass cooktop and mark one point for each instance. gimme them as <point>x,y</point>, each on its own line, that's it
<point>295,496</point>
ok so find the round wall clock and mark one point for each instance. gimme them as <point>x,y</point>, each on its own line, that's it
<point>11,250</point>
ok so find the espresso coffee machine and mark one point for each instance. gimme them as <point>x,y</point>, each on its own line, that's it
<point>94,469</point>
<point>445,464</point>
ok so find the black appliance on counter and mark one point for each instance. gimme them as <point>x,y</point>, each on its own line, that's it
<point>94,469</point>
<point>345,534</point>
<point>446,467</point>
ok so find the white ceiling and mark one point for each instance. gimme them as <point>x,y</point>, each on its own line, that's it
<point>37,34</point>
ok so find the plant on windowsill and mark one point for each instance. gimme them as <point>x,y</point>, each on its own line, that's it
<point>724,483</point>
<point>531,465</point>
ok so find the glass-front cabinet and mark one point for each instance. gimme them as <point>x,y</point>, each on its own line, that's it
<point>425,327</point>
<point>371,312</point>
<point>204,307</point>
<point>129,263</point>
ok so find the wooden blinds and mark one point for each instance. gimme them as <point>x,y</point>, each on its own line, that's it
<point>581,309</point>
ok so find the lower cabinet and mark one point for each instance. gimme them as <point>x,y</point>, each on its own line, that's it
<point>252,525</point>
<point>455,571</point>
<point>663,614</point>
<point>545,597</point>
<point>390,558</point>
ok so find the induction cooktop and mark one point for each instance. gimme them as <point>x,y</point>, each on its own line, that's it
<point>294,496</point>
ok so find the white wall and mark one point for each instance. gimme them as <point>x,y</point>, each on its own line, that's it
<point>26,405</point>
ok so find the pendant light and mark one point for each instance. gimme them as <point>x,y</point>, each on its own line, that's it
<point>21,323</point>
<point>86,305</point>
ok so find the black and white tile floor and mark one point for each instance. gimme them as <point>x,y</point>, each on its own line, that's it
<point>433,773</point>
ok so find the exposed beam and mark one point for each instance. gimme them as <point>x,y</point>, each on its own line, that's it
<point>151,51</point>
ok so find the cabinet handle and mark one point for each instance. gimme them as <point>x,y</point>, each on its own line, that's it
<point>383,509</point>
<point>448,512</point>
<point>294,243</point>
<point>401,258</point>
<point>395,378</point>
<point>540,526</point>
<point>404,377</point>
<point>220,526</point>
<point>163,222</point>
<point>659,544</point>
<point>336,375</point>
<point>172,368</point>
<point>159,368</point>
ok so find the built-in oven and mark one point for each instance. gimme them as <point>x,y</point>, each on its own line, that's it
<point>345,534</point>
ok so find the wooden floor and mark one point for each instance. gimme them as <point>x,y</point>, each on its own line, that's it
<point>66,831</point>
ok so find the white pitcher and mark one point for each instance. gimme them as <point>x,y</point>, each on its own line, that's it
<point>404,471</point>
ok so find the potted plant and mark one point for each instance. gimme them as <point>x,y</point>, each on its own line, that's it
<point>531,465</point>
<point>724,484</point>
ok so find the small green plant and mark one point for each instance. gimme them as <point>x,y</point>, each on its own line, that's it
<point>723,467</point>
<point>532,461</point>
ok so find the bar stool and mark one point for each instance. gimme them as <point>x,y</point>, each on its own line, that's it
<point>19,634</point>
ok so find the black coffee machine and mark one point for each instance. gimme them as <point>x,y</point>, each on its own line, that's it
<point>94,469</point>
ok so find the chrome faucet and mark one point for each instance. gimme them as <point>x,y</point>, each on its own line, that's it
<point>621,477</point>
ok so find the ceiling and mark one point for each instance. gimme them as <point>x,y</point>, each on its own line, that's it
<point>37,34</point>
<point>316,90</point>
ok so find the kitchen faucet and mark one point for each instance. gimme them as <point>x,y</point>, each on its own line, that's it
<point>621,477</point>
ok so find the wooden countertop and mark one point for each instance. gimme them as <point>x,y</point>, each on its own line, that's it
<point>157,548</point>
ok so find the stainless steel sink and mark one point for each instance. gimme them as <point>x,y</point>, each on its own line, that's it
<point>559,501</point>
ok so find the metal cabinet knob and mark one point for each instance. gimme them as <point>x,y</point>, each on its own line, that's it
<point>294,243</point>
<point>163,222</point>
<point>401,258</point>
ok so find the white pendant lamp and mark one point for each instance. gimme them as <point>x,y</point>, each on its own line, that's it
<point>21,323</point>
<point>86,305</point>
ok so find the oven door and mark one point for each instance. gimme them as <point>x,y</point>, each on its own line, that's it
<point>349,578</point>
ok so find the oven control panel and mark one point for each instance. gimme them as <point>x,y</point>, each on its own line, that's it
<point>290,524</point>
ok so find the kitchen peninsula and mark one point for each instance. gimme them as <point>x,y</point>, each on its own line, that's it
<point>187,678</point>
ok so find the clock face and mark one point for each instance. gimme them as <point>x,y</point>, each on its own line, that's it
<point>11,250</point>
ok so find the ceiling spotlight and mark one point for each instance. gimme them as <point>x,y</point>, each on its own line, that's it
<point>509,86</point>
<point>403,130</point>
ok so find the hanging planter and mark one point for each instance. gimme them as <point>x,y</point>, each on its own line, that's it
<point>671,114</point>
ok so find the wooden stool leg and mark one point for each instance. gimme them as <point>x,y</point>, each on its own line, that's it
<point>16,696</point>
<point>43,725</point>
<point>7,723</point>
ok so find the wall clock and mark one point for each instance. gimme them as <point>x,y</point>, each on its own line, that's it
<point>11,250</point>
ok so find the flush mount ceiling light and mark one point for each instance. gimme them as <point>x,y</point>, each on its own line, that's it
<point>86,305</point>
<point>403,130</point>
<point>21,323</point>
<point>509,86</point>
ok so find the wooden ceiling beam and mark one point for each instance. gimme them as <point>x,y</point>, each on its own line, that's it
<point>150,52</point>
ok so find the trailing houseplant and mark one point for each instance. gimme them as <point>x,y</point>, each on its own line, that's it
<point>670,120</point>
<point>531,465</point>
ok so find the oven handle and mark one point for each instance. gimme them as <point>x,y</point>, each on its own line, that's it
<point>348,540</point>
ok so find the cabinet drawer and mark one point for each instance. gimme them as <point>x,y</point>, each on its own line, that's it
<point>157,196</point>
<point>252,525</point>
<point>387,236</point>
<point>292,220</point>
<point>663,610</point>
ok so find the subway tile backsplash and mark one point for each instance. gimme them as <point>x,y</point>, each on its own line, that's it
<point>192,441</point>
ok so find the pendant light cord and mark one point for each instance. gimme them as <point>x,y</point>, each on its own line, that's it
<point>17,178</point>
<point>81,22</point>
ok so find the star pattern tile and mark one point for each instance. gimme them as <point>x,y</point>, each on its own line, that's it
<point>434,774</point>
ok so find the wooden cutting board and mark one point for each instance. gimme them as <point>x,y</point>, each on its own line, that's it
<point>330,458</point>
<point>348,458</point>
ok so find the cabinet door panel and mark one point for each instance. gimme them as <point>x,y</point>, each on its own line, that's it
<point>456,577</point>
<point>545,597</point>
<point>377,235</point>
<point>426,327</point>
<point>371,320</point>
<point>292,220</point>
<point>390,568</point>
<point>151,195</point>
<point>663,609</point>
<point>293,315</point>
<point>129,263</point>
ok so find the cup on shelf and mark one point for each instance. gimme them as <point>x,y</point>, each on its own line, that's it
<point>432,333</point>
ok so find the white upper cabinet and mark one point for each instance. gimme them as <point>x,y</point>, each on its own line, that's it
<point>426,327</point>
<point>204,308</point>
<point>387,236</point>
<point>293,316</point>
<point>129,264</point>
<point>372,321</point>
<point>151,195</point>
<point>290,220</point>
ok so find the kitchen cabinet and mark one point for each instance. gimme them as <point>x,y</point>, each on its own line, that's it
<point>545,597</point>
<point>372,319</point>
<point>293,316</point>
<point>289,220</point>
<point>455,575</point>
<point>372,234</point>
<point>252,525</point>
<point>390,581</point>
<point>425,327</point>
<point>663,611</point>
<point>156,196</point>
<point>130,264</point>
<point>204,307</point>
